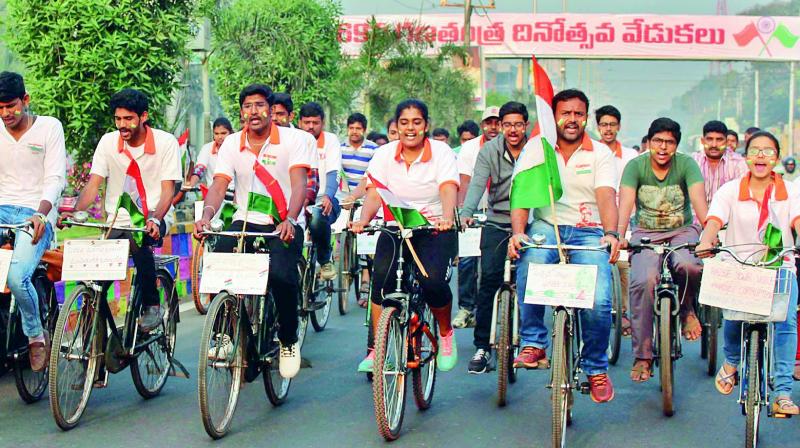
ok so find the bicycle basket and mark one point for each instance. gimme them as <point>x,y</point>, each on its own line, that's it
<point>780,301</point>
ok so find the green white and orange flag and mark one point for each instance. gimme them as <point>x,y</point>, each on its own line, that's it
<point>134,198</point>
<point>536,170</point>
<point>396,209</point>
<point>266,195</point>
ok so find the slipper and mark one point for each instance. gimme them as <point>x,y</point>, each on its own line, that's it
<point>626,326</point>
<point>642,370</point>
<point>690,325</point>
<point>363,295</point>
<point>726,379</point>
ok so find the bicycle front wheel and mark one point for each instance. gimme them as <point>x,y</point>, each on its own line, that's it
<point>151,369</point>
<point>560,387</point>
<point>503,348</point>
<point>343,280</point>
<point>220,365</point>
<point>710,333</point>
<point>615,341</point>
<point>423,378</point>
<point>753,396</point>
<point>73,357</point>
<point>323,294</point>
<point>389,370</point>
<point>31,385</point>
<point>665,366</point>
<point>201,301</point>
<point>275,386</point>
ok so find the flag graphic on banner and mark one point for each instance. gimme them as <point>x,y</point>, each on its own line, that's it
<point>766,26</point>
<point>396,209</point>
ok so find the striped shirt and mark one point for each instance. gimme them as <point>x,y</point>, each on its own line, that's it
<point>355,162</point>
<point>731,166</point>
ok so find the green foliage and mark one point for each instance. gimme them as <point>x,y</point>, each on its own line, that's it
<point>79,52</point>
<point>291,46</point>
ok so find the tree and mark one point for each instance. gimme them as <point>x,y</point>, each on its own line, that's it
<point>7,59</point>
<point>289,46</point>
<point>79,52</point>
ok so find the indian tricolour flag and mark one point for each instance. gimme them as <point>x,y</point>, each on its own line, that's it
<point>266,195</point>
<point>133,199</point>
<point>396,209</point>
<point>183,148</point>
<point>536,181</point>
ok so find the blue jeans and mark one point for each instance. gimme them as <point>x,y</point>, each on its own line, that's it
<point>784,343</point>
<point>596,322</point>
<point>467,282</point>
<point>23,264</point>
<point>320,227</point>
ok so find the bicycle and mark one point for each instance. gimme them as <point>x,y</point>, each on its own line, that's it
<point>711,320</point>
<point>30,385</point>
<point>667,348</point>
<point>405,341</point>
<point>566,354</point>
<point>615,341</point>
<point>239,342</point>
<point>755,368</point>
<point>348,262</point>
<point>313,289</point>
<point>88,345</point>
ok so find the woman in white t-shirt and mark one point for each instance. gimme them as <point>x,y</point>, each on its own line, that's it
<point>419,175</point>
<point>757,204</point>
<point>207,159</point>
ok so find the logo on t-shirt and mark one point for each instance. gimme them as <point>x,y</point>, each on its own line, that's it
<point>583,168</point>
<point>36,148</point>
<point>269,160</point>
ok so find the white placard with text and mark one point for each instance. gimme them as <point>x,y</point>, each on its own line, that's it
<point>5,264</point>
<point>95,260</point>
<point>469,243</point>
<point>366,244</point>
<point>570,285</point>
<point>732,286</point>
<point>235,273</point>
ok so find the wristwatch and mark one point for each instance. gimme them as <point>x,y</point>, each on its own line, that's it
<point>156,221</point>
<point>291,220</point>
<point>612,233</point>
<point>41,217</point>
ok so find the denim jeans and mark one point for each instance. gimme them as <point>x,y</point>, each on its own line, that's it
<point>467,282</point>
<point>320,227</point>
<point>23,264</point>
<point>784,343</point>
<point>596,322</point>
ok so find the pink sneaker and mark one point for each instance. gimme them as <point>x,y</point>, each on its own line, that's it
<point>365,366</point>
<point>447,357</point>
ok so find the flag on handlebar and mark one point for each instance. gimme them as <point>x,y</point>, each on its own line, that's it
<point>395,209</point>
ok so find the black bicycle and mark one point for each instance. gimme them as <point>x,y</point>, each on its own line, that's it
<point>349,272</point>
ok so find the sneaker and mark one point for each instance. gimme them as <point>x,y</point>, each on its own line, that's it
<point>448,352</point>
<point>289,362</point>
<point>480,362</point>
<point>39,353</point>
<point>600,388</point>
<point>327,271</point>
<point>462,318</point>
<point>365,366</point>
<point>151,318</point>
<point>225,347</point>
<point>531,358</point>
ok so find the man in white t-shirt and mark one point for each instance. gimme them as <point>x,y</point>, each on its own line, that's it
<point>31,179</point>
<point>269,165</point>
<point>326,212</point>
<point>139,166</point>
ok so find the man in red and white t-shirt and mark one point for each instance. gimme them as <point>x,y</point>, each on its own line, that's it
<point>270,167</point>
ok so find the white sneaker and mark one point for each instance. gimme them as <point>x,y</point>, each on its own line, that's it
<point>462,318</point>
<point>225,347</point>
<point>327,271</point>
<point>289,362</point>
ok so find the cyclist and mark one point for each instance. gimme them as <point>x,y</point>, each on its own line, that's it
<point>391,130</point>
<point>420,172</point>
<point>207,159</point>
<point>665,186</point>
<point>139,165</point>
<point>608,123</point>
<point>759,204</point>
<point>312,120</point>
<point>31,179</point>
<point>269,165</point>
<point>718,164</point>
<point>586,214</point>
<point>283,109</point>
<point>468,266</point>
<point>494,166</point>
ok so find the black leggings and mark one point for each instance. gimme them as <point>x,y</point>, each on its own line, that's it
<point>284,280</point>
<point>145,264</point>
<point>436,252</point>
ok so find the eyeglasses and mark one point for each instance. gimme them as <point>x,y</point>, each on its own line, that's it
<point>604,125</point>
<point>766,152</point>
<point>257,105</point>
<point>657,142</point>
<point>518,125</point>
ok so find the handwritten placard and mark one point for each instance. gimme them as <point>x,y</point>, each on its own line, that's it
<point>95,260</point>
<point>732,286</point>
<point>5,264</point>
<point>341,223</point>
<point>235,273</point>
<point>366,244</point>
<point>570,285</point>
<point>469,243</point>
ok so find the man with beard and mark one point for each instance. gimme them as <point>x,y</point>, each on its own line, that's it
<point>717,164</point>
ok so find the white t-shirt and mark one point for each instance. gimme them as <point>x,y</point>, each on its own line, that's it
<point>158,160</point>
<point>590,167</point>
<point>33,169</point>
<point>286,148</point>
<point>469,155</point>
<point>622,155</point>
<point>208,159</point>
<point>330,158</point>
<point>417,184</point>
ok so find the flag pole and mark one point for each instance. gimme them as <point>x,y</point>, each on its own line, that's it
<point>408,243</point>
<point>562,259</point>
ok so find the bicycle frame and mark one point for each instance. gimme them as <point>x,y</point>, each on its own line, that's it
<point>765,358</point>
<point>508,285</point>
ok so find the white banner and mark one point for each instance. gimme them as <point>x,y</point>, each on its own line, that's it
<point>366,244</point>
<point>235,273</point>
<point>733,286</point>
<point>569,285</point>
<point>469,243</point>
<point>97,260</point>
<point>5,264</point>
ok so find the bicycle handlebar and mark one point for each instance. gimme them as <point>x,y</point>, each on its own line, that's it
<point>531,245</point>
<point>760,263</point>
<point>660,248</point>
<point>70,223</point>
<point>19,226</point>
<point>235,234</point>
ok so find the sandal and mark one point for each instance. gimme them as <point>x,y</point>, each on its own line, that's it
<point>642,370</point>
<point>626,326</point>
<point>725,379</point>
<point>691,325</point>
<point>785,406</point>
<point>363,294</point>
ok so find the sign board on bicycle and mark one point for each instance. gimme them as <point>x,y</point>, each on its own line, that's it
<point>97,260</point>
<point>469,243</point>
<point>5,264</point>
<point>341,223</point>
<point>732,286</point>
<point>569,285</point>
<point>366,244</point>
<point>235,273</point>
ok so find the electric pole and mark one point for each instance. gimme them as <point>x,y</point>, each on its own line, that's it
<point>468,8</point>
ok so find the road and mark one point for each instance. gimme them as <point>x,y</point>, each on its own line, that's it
<point>330,405</point>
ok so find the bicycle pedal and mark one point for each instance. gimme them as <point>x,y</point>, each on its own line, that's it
<point>776,415</point>
<point>585,389</point>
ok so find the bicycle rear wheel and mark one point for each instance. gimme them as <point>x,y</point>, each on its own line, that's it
<point>503,348</point>
<point>389,370</point>
<point>321,293</point>
<point>32,385</point>
<point>615,341</point>
<point>73,357</point>
<point>423,378</point>
<point>302,314</point>
<point>753,396</point>
<point>201,301</point>
<point>343,280</point>
<point>665,366</point>
<point>220,365</point>
<point>153,362</point>
<point>560,387</point>
<point>275,386</point>
<point>711,332</point>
